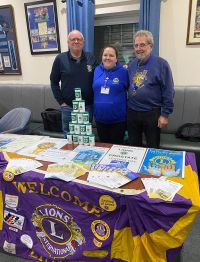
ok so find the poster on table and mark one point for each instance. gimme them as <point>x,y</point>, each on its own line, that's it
<point>159,162</point>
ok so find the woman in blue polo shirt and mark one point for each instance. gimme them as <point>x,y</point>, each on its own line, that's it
<point>110,86</point>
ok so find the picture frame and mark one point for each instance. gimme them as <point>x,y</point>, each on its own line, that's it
<point>9,54</point>
<point>42,26</point>
<point>193,31</point>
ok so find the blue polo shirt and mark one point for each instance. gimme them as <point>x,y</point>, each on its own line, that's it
<point>68,73</point>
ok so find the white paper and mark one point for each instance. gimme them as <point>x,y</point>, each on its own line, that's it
<point>160,188</point>
<point>125,156</point>
<point>21,165</point>
<point>21,142</point>
<point>41,146</point>
<point>54,155</point>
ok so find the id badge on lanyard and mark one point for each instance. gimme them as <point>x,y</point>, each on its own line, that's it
<point>105,89</point>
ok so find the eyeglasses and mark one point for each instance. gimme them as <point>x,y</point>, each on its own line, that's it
<point>76,39</point>
<point>142,45</point>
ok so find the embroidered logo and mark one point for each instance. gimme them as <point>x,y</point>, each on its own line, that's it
<point>89,68</point>
<point>139,78</point>
<point>100,229</point>
<point>59,234</point>
<point>115,80</point>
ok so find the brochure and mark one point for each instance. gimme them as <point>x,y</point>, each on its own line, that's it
<point>66,171</point>
<point>160,188</point>
<point>125,157</point>
<point>21,142</point>
<point>17,166</point>
<point>43,145</point>
<point>111,179</point>
<point>7,138</point>
<point>53,155</point>
<point>159,162</point>
<point>88,155</point>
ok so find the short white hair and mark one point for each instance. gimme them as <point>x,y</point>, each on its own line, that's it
<point>75,31</point>
<point>146,33</point>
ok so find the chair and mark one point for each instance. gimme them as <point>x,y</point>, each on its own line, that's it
<point>15,121</point>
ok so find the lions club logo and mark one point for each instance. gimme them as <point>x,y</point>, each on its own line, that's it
<point>59,234</point>
<point>139,78</point>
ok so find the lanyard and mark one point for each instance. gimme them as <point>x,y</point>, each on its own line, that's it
<point>105,82</point>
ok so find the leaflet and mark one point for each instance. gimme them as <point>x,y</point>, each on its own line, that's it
<point>54,155</point>
<point>88,155</point>
<point>112,179</point>
<point>18,166</point>
<point>161,162</point>
<point>160,188</point>
<point>125,156</point>
<point>7,138</point>
<point>41,146</point>
<point>66,171</point>
<point>21,142</point>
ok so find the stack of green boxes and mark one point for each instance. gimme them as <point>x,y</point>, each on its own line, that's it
<point>80,129</point>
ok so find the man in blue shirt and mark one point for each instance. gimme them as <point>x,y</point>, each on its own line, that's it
<point>74,69</point>
<point>151,92</point>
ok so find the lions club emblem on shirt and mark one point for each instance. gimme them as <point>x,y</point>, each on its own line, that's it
<point>139,78</point>
<point>57,231</point>
<point>89,68</point>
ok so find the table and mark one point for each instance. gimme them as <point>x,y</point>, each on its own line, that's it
<point>51,220</point>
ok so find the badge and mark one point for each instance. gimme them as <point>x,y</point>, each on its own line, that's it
<point>89,68</point>
<point>8,175</point>
<point>115,80</point>
<point>105,90</point>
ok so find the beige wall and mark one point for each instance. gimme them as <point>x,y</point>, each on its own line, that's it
<point>184,60</point>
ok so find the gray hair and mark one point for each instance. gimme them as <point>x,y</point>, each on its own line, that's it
<point>145,33</point>
<point>75,31</point>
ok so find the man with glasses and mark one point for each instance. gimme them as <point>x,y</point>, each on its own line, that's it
<point>151,92</point>
<point>73,69</point>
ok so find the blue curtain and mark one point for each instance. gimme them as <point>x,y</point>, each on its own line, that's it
<point>150,20</point>
<point>80,16</point>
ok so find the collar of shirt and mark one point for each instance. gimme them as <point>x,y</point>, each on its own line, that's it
<point>78,59</point>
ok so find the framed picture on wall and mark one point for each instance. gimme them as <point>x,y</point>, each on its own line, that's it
<point>42,26</point>
<point>9,55</point>
<point>193,32</point>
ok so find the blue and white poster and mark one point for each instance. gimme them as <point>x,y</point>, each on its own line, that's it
<point>159,162</point>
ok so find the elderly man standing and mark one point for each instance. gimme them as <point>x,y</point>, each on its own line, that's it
<point>151,92</point>
<point>74,69</point>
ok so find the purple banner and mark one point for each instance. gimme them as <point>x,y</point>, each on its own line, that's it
<point>51,220</point>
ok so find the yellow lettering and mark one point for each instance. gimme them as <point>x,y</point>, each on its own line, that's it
<point>63,193</point>
<point>20,186</point>
<point>52,188</point>
<point>42,190</point>
<point>95,210</point>
<point>32,187</point>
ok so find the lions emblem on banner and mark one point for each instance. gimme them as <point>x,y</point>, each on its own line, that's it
<point>57,231</point>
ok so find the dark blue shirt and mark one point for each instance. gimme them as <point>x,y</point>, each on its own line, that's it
<point>151,86</point>
<point>72,74</point>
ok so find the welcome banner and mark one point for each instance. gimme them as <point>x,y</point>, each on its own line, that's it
<point>51,220</point>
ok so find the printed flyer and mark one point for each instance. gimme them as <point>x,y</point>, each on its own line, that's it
<point>125,157</point>
<point>159,162</point>
<point>88,155</point>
